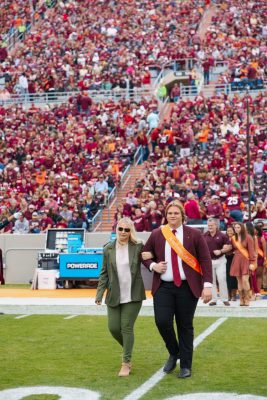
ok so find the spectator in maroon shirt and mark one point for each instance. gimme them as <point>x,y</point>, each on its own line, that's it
<point>234,204</point>
<point>84,103</point>
<point>30,210</point>
<point>260,210</point>
<point>45,221</point>
<point>227,219</point>
<point>206,71</point>
<point>217,162</point>
<point>154,138</point>
<point>3,54</point>
<point>214,208</point>
<point>153,216</point>
<point>143,142</point>
<point>139,220</point>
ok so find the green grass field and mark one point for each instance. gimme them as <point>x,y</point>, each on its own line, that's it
<point>80,353</point>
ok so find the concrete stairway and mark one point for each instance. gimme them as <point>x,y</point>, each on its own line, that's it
<point>208,90</point>
<point>206,21</point>
<point>137,172</point>
<point>105,225</point>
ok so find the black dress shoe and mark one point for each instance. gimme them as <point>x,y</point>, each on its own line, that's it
<point>184,373</point>
<point>171,363</point>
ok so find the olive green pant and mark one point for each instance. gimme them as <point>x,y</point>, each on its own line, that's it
<point>121,321</point>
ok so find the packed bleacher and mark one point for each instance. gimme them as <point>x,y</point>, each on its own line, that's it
<point>238,35</point>
<point>17,16</point>
<point>81,44</point>
<point>66,155</point>
<point>200,157</point>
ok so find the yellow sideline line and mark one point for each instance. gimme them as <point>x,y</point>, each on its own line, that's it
<point>58,293</point>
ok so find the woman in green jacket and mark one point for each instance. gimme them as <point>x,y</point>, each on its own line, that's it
<point>121,276</point>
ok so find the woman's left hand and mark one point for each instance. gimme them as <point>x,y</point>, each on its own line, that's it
<point>147,255</point>
<point>206,295</point>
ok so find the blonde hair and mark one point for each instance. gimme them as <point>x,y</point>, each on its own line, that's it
<point>177,204</point>
<point>127,221</point>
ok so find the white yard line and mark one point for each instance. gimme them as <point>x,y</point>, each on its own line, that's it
<point>71,316</point>
<point>22,316</point>
<point>154,380</point>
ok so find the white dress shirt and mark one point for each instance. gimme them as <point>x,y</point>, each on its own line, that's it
<point>168,275</point>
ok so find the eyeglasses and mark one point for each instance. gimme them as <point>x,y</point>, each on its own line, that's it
<point>120,229</point>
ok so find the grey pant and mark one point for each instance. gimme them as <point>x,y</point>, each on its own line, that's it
<point>219,272</point>
<point>121,321</point>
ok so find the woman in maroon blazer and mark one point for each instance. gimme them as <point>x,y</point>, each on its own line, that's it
<point>177,286</point>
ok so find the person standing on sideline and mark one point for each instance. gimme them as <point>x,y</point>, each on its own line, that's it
<point>262,256</point>
<point>231,280</point>
<point>243,262</point>
<point>218,244</point>
<point>182,272</point>
<point>121,276</point>
<point>254,291</point>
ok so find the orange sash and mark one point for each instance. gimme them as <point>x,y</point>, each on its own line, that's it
<point>239,247</point>
<point>179,249</point>
<point>260,252</point>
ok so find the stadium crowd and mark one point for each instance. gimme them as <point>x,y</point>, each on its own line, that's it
<point>200,157</point>
<point>71,156</point>
<point>238,35</point>
<point>81,45</point>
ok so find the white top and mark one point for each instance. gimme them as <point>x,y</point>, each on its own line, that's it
<point>124,272</point>
<point>168,275</point>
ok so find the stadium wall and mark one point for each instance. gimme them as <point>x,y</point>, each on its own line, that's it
<point>20,253</point>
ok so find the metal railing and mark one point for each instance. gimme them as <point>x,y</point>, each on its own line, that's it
<point>189,91</point>
<point>53,97</point>
<point>219,67</point>
<point>138,156</point>
<point>113,193</point>
<point>219,88</point>
<point>162,107</point>
<point>96,220</point>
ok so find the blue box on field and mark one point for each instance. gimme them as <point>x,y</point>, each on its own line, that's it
<point>85,265</point>
<point>74,242</point>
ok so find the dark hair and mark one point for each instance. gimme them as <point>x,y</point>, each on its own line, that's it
<point>258,228</point>
<point>242,232</point>
<point>250,229</point>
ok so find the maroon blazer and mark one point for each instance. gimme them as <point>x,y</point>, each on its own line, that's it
<point>195,243</point>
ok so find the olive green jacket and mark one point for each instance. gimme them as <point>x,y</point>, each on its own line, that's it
<point>109,275</point>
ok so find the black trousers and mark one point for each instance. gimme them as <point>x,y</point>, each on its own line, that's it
<point>172,302</point>
<point>231,280</point>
